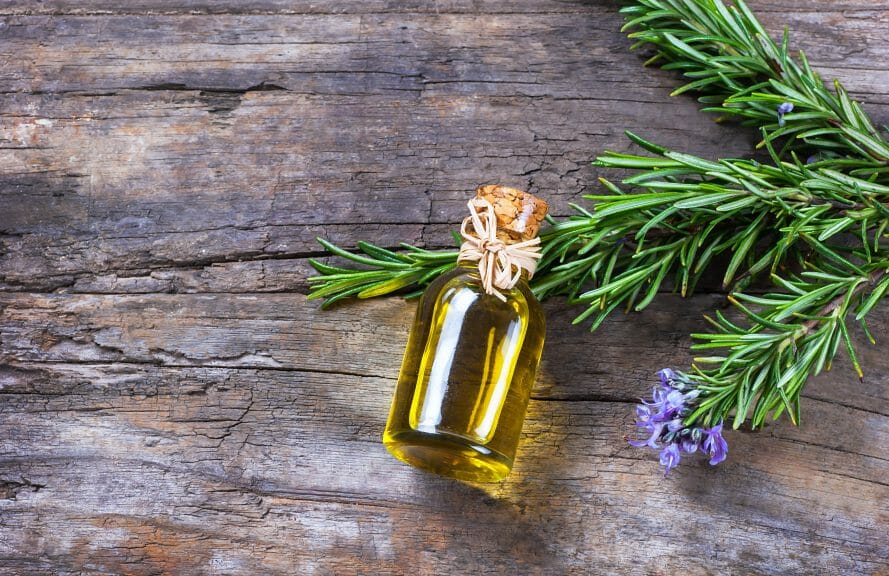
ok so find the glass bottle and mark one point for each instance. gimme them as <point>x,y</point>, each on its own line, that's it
<point>471,361</point>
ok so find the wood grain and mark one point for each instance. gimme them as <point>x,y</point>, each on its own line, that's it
<point>171,404</point>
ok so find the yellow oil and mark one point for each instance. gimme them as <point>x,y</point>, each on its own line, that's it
<point>466,378</point>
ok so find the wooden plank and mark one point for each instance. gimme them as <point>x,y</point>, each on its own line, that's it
<point>282,7</point>
<point>152,190</point>
<point>282,470</point>
<point>282,331</point>
<point>538,48</point>
<point>214,147</point>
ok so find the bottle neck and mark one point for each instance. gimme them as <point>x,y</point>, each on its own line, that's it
<point>473,267</point>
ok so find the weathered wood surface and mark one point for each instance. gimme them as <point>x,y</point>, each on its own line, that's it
<point>171,404</point>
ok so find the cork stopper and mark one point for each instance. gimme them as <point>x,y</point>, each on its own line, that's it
<point>519,214</point>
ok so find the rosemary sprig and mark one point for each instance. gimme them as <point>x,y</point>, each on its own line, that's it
<point>738,70</point>
<point>785,220</point>
<point>689,211</point>
<point>791,335</point>
<point>387,271</point>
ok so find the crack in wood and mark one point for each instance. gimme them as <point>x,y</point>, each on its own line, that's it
<point>10,489</point>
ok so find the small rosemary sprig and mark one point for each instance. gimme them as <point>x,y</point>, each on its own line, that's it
<point>387,271</point>
<point>679,215</point>
<point>792,335</point>
<point>738,70</point>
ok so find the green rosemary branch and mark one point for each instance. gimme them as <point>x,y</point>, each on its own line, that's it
<point>689,212</point>
<point>677,216</point>
<point>793,334</point>
<point>737,70</point>
<point>387,271</point>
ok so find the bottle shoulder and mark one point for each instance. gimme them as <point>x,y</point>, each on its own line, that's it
<point>465,278</point>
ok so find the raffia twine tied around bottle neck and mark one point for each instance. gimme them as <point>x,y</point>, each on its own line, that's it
<point>501,235</point>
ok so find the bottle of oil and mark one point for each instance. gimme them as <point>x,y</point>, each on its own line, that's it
<point>472,353</point>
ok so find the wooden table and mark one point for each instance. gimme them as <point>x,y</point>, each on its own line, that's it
<point>172,404</point>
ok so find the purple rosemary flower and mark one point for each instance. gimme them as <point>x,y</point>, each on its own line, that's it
<point>662,420</point>
<point>666,375</point>
<point>689,445</point>
<point>670,457</point>
<point>783,109</point>
<point>715,444</point>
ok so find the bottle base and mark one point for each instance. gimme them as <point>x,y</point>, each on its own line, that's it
<point>447,455</point>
